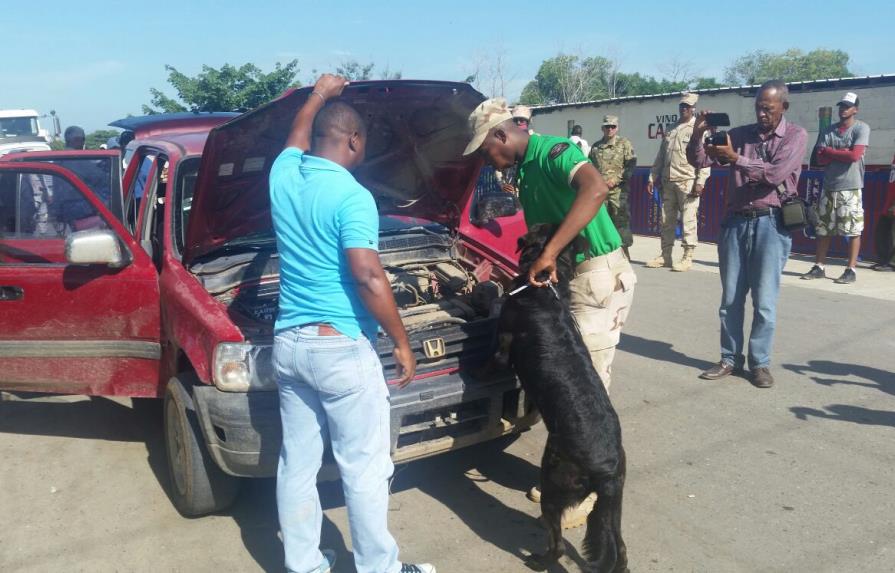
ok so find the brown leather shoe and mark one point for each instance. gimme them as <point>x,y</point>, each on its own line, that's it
<point>719,370</point>
<point>761,378</point>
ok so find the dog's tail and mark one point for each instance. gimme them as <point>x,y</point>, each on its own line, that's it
<point>603,546</point>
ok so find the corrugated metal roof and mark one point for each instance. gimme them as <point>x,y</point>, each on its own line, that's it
<point>747,89</point>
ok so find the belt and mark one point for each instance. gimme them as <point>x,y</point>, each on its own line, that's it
<point>607,261</point>
<point>752,213</point>
<point>323,329</point>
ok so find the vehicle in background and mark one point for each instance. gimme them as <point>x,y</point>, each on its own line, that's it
<point>177,297</point>
<point>20,130</point>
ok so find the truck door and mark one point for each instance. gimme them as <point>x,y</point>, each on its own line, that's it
<point>79,299</point>
<point>100,170</point>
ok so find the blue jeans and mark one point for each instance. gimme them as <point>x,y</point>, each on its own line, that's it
<point>752,254</point>
<point>333,387</point>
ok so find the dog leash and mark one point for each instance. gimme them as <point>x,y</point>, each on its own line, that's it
<point>525,286</point>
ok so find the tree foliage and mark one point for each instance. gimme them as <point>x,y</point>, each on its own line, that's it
<point>355,71</point>
<point>99,137</point>
<point>790,66</point>
<point>228,88</point>
<point>568,78</point>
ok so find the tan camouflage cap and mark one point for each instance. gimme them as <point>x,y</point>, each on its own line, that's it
<point>522,111</point>
<point>610,120</point>
<point>689,99</point>
<point>488,114</point>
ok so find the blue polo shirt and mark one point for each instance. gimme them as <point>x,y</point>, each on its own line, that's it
<point>319,210</point>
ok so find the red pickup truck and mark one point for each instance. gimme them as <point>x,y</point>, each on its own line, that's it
<point>169,289</point>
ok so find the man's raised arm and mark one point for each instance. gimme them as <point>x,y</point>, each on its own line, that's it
<point>326,88</point>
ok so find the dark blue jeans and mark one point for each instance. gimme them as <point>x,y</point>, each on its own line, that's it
<point>752,253</point>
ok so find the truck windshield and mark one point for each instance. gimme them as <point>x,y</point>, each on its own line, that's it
<point>18,127</point>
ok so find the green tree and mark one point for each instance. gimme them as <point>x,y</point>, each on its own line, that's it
<point>229,88</point>
<point>567,78</point>
<point>356,71</point>
<point>793,65</point>
<point>99,137</point>
<point>705,84</point>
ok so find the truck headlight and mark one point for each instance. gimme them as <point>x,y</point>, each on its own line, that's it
<point>243,367</point>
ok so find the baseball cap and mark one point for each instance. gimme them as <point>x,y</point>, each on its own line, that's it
<point>522,111</point>
<point>488,114</point>
<point>610,120</point>
<point>849,99</point>
<point>689,99</point>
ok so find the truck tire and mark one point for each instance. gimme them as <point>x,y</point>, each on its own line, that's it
<point>197,485</point>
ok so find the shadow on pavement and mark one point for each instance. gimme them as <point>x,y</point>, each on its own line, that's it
<point>658,350</point>
<point>875,378</point>
<point>847,413</point>
<point>456,480</point>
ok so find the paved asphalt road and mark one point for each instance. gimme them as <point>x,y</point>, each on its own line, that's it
<point>721,476</point>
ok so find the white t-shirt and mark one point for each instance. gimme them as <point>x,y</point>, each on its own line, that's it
<point>582,143</point>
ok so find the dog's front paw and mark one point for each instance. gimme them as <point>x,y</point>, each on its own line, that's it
<point>540,561</point>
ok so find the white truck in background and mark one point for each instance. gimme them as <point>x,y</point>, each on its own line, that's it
<point>20,130</point>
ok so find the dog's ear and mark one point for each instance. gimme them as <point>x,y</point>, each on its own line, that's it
<point>520,243</point>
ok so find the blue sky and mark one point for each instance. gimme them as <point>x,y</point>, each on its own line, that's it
<point>94,62</point>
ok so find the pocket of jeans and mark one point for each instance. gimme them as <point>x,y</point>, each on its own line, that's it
<point>283,356</point>
<point>337,368</point>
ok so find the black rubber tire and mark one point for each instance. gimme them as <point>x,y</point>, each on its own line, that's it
<point>197,485</point>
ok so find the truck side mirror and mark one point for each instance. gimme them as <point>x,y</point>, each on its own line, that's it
<point>492,207</point>
<point>95,247</point>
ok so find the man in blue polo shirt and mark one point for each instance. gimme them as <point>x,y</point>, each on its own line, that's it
<point>333,297</point>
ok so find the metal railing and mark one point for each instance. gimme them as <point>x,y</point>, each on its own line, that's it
<point>646,210</point>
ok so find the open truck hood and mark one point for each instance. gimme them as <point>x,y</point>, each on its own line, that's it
<point>145,126</point>
<point>417,131</point>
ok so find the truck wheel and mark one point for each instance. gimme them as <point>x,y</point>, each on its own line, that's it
<point>198,485</point>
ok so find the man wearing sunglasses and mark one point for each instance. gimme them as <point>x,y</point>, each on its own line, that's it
<point>614,158</point>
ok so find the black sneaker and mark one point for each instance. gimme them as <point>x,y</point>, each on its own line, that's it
<point>815,273</point>
<point>847,277</point>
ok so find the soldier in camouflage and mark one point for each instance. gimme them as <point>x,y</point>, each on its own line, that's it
<point>615,159</point>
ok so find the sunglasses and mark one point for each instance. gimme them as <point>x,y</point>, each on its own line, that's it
<point>610,126</point>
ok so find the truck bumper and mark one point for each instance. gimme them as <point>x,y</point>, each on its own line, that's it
<point>428,417</point>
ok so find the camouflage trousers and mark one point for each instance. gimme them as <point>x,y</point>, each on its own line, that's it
<point>620,213</point>
<point>885,240</point>
<point>840,213</point>
<point>677,202</point>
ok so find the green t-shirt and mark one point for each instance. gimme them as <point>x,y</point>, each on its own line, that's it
<point>546,193</point>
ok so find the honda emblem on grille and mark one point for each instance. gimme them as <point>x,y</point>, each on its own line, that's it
<point>433,348</point>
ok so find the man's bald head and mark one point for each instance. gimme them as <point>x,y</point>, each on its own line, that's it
<point>775,87</point>
<point>771,101</point>
<point>335,120</point>
<point>340,135</point>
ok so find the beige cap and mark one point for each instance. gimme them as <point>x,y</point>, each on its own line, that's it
<point>522,111</point>
<point>610,120</point>
<point>488,114</point>
<point>689,99</point>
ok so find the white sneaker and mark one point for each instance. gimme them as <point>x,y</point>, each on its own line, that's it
<point>418,568</point>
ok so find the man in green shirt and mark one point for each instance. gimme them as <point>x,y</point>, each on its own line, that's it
<point>558,185</point>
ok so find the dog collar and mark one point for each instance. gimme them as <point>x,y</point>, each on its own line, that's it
<point>526,285</point>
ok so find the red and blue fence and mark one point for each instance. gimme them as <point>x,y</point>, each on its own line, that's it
<point>646,211</point>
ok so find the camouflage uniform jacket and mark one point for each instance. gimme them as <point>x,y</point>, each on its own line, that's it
<point>614,159</point>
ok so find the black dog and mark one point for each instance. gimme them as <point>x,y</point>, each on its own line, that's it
<point>539,338</point>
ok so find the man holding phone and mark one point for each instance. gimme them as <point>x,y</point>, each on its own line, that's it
<point>765,160</point>
<point>682,184</point>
